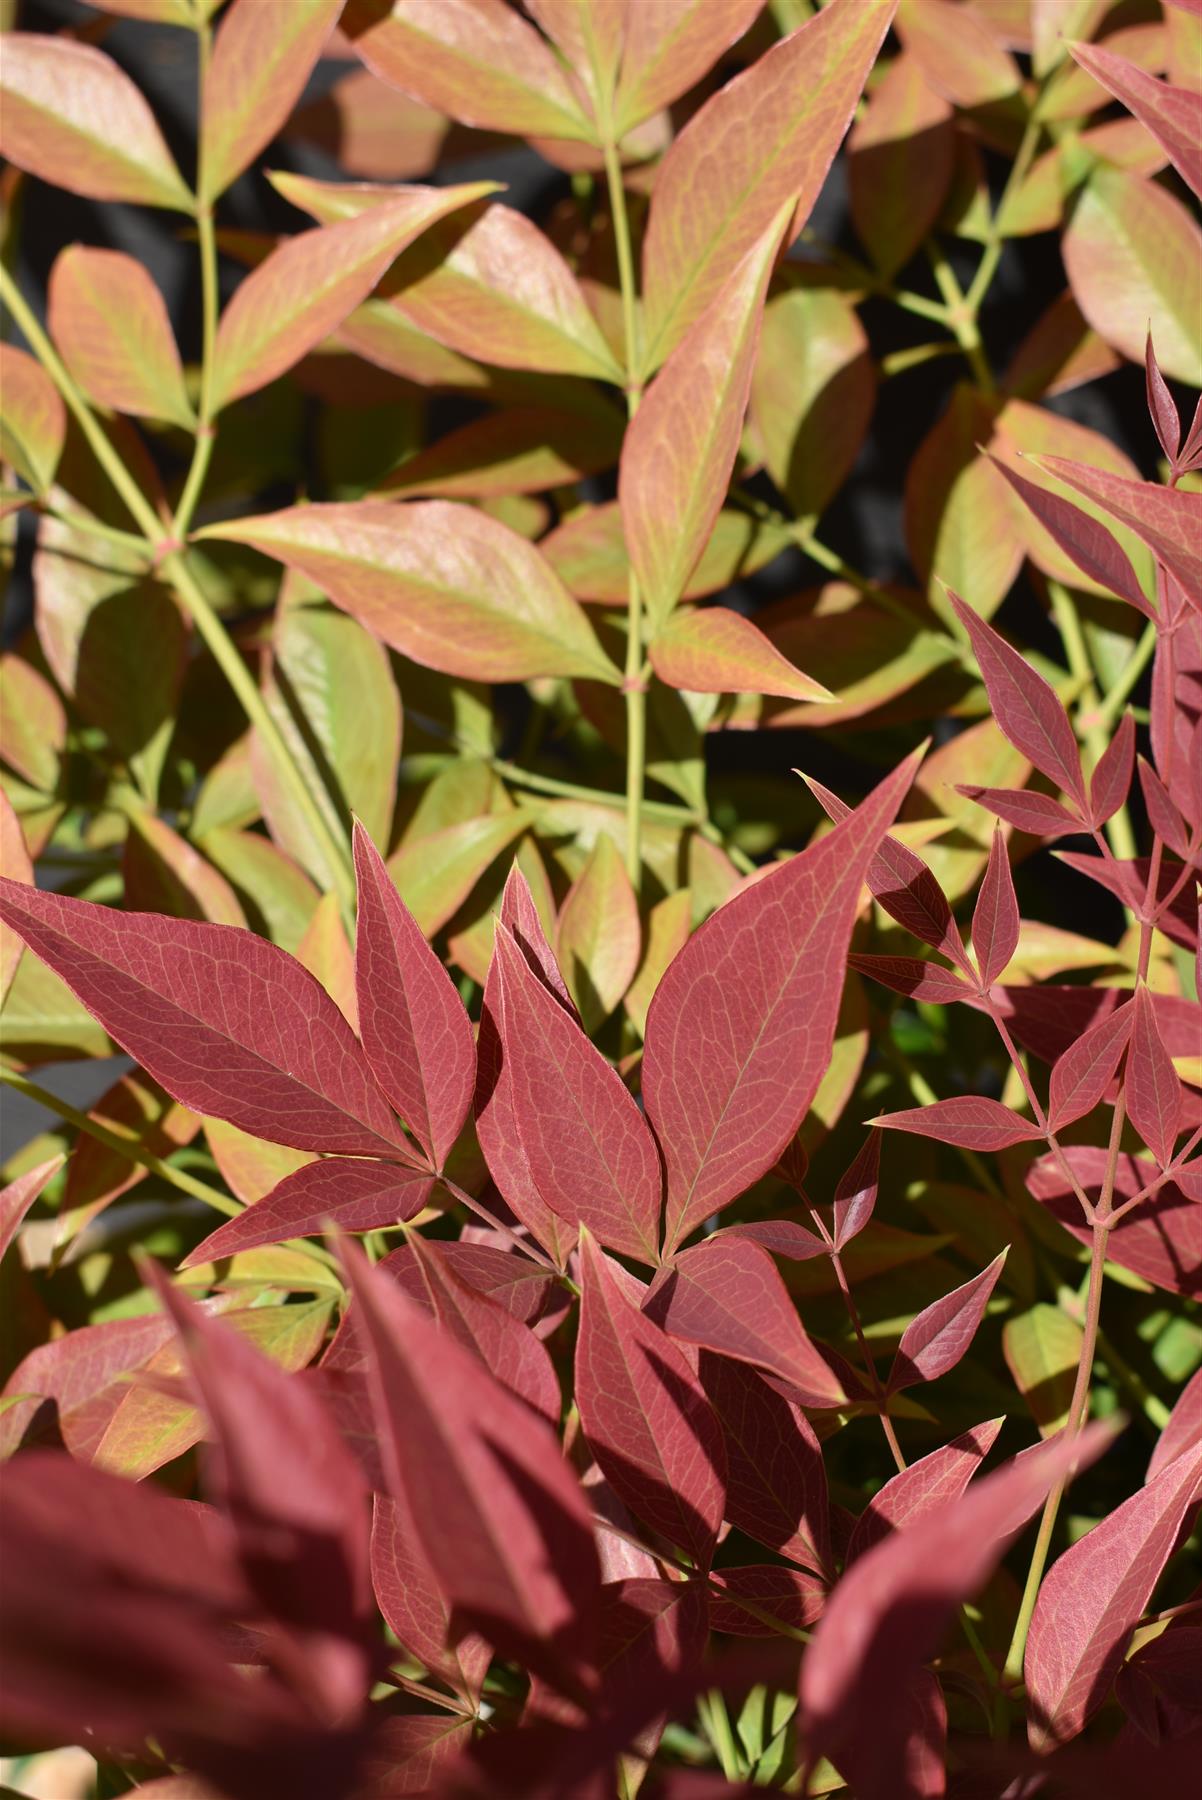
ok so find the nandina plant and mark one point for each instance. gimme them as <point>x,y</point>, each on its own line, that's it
<point>602,1258</point>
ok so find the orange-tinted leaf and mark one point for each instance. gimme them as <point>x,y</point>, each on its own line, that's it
<point>33,419</point>
<point>110,324</point>
<point>15,862</point>
<point>765,140</point>
<point>670,44</point>
<point>72,117</point>
<point>682,443</point>
<point>588,553</point>
<point>20,1194</point>
<point>960,518</point>
<point>667,933</point>
<point>524,450</point>
<point>599,937</point>
<point>957,52</point>
<point>717,651</point>
<point>443,584</point>
<point>901,154</point>
<point>474,59</point>
<point>263,56</point>
<point>1172,114</point>
<point>644,1413</point>
<point>1133,254</point>
<point>307,286</point>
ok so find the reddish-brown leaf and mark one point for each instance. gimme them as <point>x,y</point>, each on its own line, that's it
<point>83,1375</point>
<point>412,1601</point>
<point>925,1485</point>
<point>586,1143</point>
<point>888,1613</point>
<point>443,584</point>
<point>354,1195</point>
<point>308,285</point>
<point>1110,782</point>
<point>717,651</point>
<point>681,445</point>
<point>1025,808</point>
<point>1162,408</point>
<point>644,1413</point>
<point>1163,816</point>
<point>776,1483</point>
<point>73,118</point>
<point>415,1033</point>
<point>740,1029</point>
<point>969,1120</point>
<point>726,1295</point>
<point>1081,1076</point>
<point>995,919</point>
<point>908,975</point>
<point>935,1341</point>
<point>228,1023</point>
<point>1153,1085</point>
<point>1184,1429</point>
<point>498,1513</point>
<point>1172,114</point>
<point>901,156</point>
<point>1024,705</point>
<point>1090,546</point>
<point>1168,520</point>
<point>855,1196</point>
<point>790,1597</point>
<point>1092,1598</point>
<point>20,1194</point>
<point>264,54</point>
<point>719,188</point>
<point>669,45</point>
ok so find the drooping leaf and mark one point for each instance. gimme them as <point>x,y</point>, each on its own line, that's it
<point>713,650</point>
<point>776,1483</point>
<point>474,59</point>
<point>682,442</point>
<point>740,1029</point>
<point>1082,1074</point>
<point>645,1415</point>
<point>587,1147</point>
<point>1026,809</point>
<point>414,1031</point>
<point>33,423</point>
<point>726,1295</point>
<point>307,287</point>
<point>926,1485</point>
<point>1093,1596</point>
<point>73,118</point>
<point>262,58</point>
<point>1042,1347</point>
<point>908,975</point>
<point>443,584</point>
<point>82,1373</point>
<point>227,1023</point>
<point>354,1195</point>
<point>935,1341</point>
<point>1024,705</point>
<point>668,45</point>
<point>1153,1085</point>
<point>705,216</point>
<point>599,935</point>
<point>889,1611</point>
<point>969,1120</point>
<point>498,1513</point>
<point>110,324</point>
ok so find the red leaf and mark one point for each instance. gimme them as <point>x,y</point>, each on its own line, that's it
<point>1166,519</point>
<point>1110,782</point>
<point>354,1195</point>
<point>1160,1686</point>
<point>1161,405</point>
<point>1024,705</point>
<point>726,1295</point>
<point>1093,1597</point>
<point>20,1194</point>
<point>995,920</point>
<point>1173,115</point>
<point>1160,1239</point>
<point>916,1765</point>
<point>920,980</point>
<point>740,1030</point>
<point>1163,816</point>
<point>1089,544</point>
<point>294,1495</point>
<point>499,1515</point>
<point>1082,1074</point>
<point>905,887</point>
<point>1025,808</point>
<point>784,1237</point>
<point>415,1032</point>
<point>776,1483</point>
<point>791,1596</point>
<point>1153,1085</point>
<point>645,1415</point>
<point>412,1602</point>
<point>935,1341</point>
<point>888,1613</point>
<point>1184,1429</point>
<point>923,1487</point>
<point>586,1144</point>
<point>970,1121</point>
<point>855,1196</point>
<point>229,1024</point>
<point>82,1373</point>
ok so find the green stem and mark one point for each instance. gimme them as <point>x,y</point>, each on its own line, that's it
<point>207,244</point>
<point>1092,733</point>
<point>93,527</point>
<point>899,361</point>
<point>987,267</point>
<point>130,1148</point>
<point>961,317</point>
<point>518,777</point>
<point>175,565</point>
<point>716,1720</point>
<point>1116,698</point>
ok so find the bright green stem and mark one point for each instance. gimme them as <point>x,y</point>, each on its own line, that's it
<point>517,777</point>
<point>716,1720</point>
<point>961,317</point>
<point>175,566</point>
<point>130,1148</point>
<point>1115,700</point>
